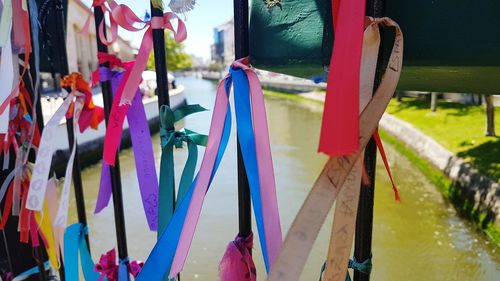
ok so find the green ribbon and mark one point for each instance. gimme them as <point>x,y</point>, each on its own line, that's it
<point>171,138</point>
<point>5,22</point>
<point>363,267</point>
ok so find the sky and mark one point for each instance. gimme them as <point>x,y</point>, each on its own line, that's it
<point>200,22</point>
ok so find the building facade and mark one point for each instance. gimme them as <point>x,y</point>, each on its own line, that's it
<point>222,50</point>
<point>81,48</point>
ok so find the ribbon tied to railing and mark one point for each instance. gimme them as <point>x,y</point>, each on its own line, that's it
<point>107,267</point>
<point>237,263</point>
<point>171,138</point>
<point>336,175</point>
<point>143,154</point>
<point>79,109</point>
<point>364,267</point>
<point>113,26</point>
<point>75,245</point>
<point>125,18</point>
<point>169,254</point>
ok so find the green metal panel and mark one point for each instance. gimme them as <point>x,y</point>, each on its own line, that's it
<point>50,51</point>
<point>450,45</point>
<point>289,38</point>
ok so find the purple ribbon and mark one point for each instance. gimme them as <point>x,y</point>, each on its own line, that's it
<point>105,74</point>
<point>144,159</point>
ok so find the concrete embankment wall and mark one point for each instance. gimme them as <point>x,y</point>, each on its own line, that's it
<point>472,186</point>
<point>480,193</point>
<point>282,84</point>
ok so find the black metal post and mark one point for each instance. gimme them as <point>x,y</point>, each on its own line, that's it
<point>161,76</point>
<point>160,61</point>
<point>364,220</point>
<point>116,185</point>
<point>160,56</point>
<point>77,176</point>
<point>241,45</point>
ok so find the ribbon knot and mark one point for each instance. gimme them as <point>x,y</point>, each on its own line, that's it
<point>107,266</point>
<point>169,135</point>
<point>97,3</point>
<point>113,60</point>
<point>363,267</point>
<point>243,243</point>
<point>157,22</point>
<point>237,262</point>
<point>91,115</point>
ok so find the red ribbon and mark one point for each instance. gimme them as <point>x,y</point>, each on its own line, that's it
<point>386,164</point>
<point>91,115</point>
<point>340,125</point>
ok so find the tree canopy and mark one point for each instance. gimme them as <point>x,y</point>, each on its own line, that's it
<point>177,59</point>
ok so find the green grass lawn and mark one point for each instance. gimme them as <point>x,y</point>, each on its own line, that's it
<point>458,127</point>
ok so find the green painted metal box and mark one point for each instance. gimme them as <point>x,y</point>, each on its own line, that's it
<point>450,45</point>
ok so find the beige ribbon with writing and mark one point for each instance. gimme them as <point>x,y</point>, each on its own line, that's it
<point>346,209</point>
<point>308,222</point>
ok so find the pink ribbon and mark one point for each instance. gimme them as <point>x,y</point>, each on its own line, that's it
<point>237,263</point>
<point>340,125</point>
<point>113,26</point>
<point>107,266</point>
<point>125,17</point>
<point>135,267</point>
<point>265,167</point>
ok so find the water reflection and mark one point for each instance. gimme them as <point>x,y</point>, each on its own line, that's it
<point>420,238</point>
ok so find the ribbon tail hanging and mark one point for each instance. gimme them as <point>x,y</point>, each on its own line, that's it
<point>340,124</point>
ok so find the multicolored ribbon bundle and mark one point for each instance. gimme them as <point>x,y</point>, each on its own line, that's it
<point>125,18</point>
<point>338,173</point>
<point>79,109</point>
<point>32,196</point>
<point>143,154</point>
<point>169,254</point>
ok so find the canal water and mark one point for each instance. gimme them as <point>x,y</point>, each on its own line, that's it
<point>419,238</point>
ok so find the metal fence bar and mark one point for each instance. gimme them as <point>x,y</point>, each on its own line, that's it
<point>116,185</point>
<point>77,177</point>
<point>364,220</point>
<point>241,45</point>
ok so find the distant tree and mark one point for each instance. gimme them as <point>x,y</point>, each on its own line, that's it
<point>215,67</point>
<point>490,115</point>
<point>177,59</point>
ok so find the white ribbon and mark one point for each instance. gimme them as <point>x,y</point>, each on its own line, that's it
<point>39,178</point>
<point>6,64</point>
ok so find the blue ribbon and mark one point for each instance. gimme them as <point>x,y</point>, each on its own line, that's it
<point>32,271</point>
<point>123,270</point>
<point>160,259</point>
<point>246,137</point>
<point>74,244</point>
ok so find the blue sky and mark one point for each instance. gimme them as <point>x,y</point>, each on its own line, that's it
<point>199,22</point>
